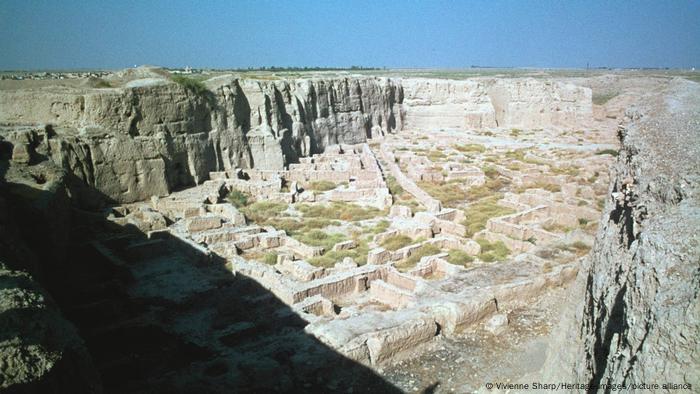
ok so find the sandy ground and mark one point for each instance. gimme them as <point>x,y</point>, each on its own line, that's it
<point>476,357</point>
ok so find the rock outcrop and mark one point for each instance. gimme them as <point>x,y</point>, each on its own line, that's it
<point>635,315</point>
<point>487,102</point>
<point>153,136</point>
<point>40,350</point>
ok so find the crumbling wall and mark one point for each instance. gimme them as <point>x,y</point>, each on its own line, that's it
<point>634,313</point>
<point>487,102</point>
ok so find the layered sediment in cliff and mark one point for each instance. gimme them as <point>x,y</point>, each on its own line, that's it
<point>635,312</point>
<point>153,136</point>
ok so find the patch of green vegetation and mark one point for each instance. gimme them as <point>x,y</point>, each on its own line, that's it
<point>602,98</point>
<point>582,203</point>
<point>489,188</point>
<point>582,222</point>
<point>449,193</point>
<point>478,213</point>
<point>471,148</point>
<point>330,258</point>
<point>567,170</point>
<point>339,210</point>
<point>400,195</point>
<point>261,256</point>
<point>436,155</point>
<point>270,258</point>
<point>394,188</point>
<point>550,187</point>
<point>515,132</point>
<point>101,84</point>
<point>611,152</point>
<point>490,171</point>
<point>321,186</point>
<point>238,198</point>
<point>492,251</point>
<point>396,242</point>
<point>600,203</point>
<point>320,238</point>
<point>380,227</point>
<point>459,257</point>
<point>556,228</point>
<point>514,166</point>
<point>262,211</point>
<point>519,154</point>
<point>425,250</point>
<point>294,226</point>
<point>193,85</point>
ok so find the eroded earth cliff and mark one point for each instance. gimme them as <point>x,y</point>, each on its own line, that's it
<point>635,312</point>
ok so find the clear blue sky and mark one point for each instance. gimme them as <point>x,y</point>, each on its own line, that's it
<point>385,33</point>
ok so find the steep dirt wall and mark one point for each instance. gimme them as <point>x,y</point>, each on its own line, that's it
<point>154,136</point>
<point>635,314</point>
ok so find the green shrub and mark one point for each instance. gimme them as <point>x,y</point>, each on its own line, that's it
<point>320,238</point>
<point>238,199</point>
<point>103,84</point>
<point>611,152</point>
<point>449,193</point>
<point>459,257</point>
<point>262,211</point>
<point>193,85</point>
<point>578,245</point>
<point>436,155</point>
<point>340,211</point>
<point>425,250</point>
<point>396,242</point>
<point>490,171</point>
<point>573,171</point>
<point>380,227</point>
<point>519,154</point>
<point>602,98</point>
<point>487,189</point>
<point>471,148</point>
<point>478,213</point>
<point>330,258</point>
<point>492,251</point>
<point>270,258</point>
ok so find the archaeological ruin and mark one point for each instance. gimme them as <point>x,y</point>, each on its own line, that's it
<point>347,232</point>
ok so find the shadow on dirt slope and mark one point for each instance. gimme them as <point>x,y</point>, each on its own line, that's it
<point>157,315</point>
